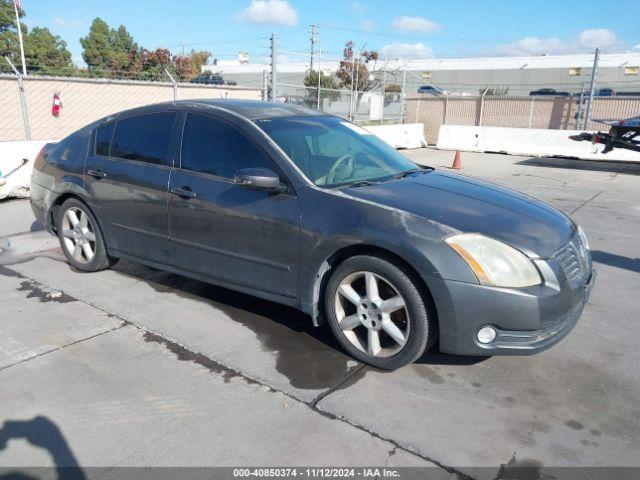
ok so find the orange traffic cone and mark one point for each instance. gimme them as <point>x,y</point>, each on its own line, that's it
<point>457,164</point>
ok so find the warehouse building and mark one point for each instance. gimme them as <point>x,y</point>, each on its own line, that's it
<point>618,73</point>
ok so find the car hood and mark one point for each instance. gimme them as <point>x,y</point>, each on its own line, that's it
<point>475,206</point>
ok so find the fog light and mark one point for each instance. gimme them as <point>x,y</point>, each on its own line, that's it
<point>486,335</point>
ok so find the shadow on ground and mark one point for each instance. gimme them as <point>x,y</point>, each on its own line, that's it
<point>612,166</point>
<point>619,261</point>
<point>42,433</point>
<point>309,357</point>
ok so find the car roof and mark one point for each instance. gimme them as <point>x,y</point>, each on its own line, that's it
<point>250,109</point>
<point>254,109</point>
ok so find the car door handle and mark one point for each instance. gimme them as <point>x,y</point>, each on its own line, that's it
<point>184,192</point>
<point>97,173</point>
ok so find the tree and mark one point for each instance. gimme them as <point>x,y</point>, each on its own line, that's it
<point>9,45</point>
<point>122,47</point>
<point>353,70</point>
<point>327,82</point>
<point>46,53</point>
<point>97,49</point>
<point>188,67</point>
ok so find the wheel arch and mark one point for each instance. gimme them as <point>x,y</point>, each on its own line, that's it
<point>336,258</point>
<point>57,203</point>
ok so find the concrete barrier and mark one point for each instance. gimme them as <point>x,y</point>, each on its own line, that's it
<point>12,153</point>
<point>407,135</point>
<point>526,141</point>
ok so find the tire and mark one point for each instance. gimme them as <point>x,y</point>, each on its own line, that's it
<point>80,237</point>
<point>397,345</point>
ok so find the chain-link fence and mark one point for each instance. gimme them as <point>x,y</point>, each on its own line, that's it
<point>562,113</point>
<point>370,107</point>
<point>85,100</point>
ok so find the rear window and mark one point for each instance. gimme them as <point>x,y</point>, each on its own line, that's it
<point>103,139</point>
<point>144,138</point>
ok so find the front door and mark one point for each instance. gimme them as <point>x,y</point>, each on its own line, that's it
<point>127,175</point>
<point>223,230</point>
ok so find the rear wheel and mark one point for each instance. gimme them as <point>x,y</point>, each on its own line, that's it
<point>80,237</point>
<point>377,313</point>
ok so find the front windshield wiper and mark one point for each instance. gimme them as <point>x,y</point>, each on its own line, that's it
<point>406,173</point>
<point>361,183</point>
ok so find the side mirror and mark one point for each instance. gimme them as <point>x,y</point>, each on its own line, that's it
<point>259,179</point>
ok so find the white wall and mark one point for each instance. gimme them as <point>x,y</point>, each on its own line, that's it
<point>407,135</point>
<point>11,155</point>
<point>526,141</point>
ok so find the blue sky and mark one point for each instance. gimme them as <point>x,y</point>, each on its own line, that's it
<point>399,28</point>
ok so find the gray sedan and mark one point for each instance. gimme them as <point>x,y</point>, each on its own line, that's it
<point>312,211</point>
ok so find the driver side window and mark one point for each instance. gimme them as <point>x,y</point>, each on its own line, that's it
<point>213,146</point>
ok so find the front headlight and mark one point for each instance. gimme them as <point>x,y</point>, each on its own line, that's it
<point>493,262</point>
<point>583,237</point>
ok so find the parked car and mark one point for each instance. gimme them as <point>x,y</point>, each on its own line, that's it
<point>548,92</point>
<point>314,212</point>
<point>429,89</point>
<point>212,79</point>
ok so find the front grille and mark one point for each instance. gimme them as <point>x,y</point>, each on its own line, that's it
<point>575,261</point>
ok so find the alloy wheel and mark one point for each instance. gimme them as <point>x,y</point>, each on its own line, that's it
<point>372,314</point>
<point>78,233</point>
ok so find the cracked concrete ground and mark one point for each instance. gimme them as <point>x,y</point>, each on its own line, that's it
<point>134,366</point>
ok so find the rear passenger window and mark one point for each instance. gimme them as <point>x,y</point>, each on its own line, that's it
<point>144,138</point>
<point>103,139</point>
<point>213,146</point>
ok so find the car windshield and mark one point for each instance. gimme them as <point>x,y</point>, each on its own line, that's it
<point>332,152</point>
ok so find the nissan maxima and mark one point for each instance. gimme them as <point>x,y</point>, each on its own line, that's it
<point>312,211</point>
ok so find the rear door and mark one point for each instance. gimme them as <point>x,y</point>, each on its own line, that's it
<point>223,230</point>
<point>127,175</point>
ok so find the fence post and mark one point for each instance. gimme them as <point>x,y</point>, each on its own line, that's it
<point>175,84</point>
<point>531,112</point>
<point>23,100</point>
<point>446,108</point>
<point>580,105</point>
<point>403,93</point>
<point>592,87</point>
<point>265,95</point>
<point>482,106</point>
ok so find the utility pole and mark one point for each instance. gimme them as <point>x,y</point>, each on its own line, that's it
<point>314,40</point>
<point>592,87</point>
<point>273,67</point>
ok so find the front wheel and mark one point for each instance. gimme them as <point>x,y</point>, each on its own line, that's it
<point>377,313</point>
<point>80,237</point>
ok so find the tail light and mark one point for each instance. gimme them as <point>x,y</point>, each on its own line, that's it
<point>41,159</point>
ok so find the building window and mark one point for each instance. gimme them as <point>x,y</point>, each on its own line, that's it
<point>575,71</point>
<point>631,70</point>
<point>426,75</point>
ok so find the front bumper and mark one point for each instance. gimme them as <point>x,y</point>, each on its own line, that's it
<point>527,321</point>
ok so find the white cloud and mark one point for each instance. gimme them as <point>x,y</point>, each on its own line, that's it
<point>358,7</point>
<point>414,24</point>
<point>597,37</point>
<point>272,12</point>
<point>585,42</point>
<point>60,21</point>
<point>367,24</point>
<point>533,46</point>
<point>405,50</point>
